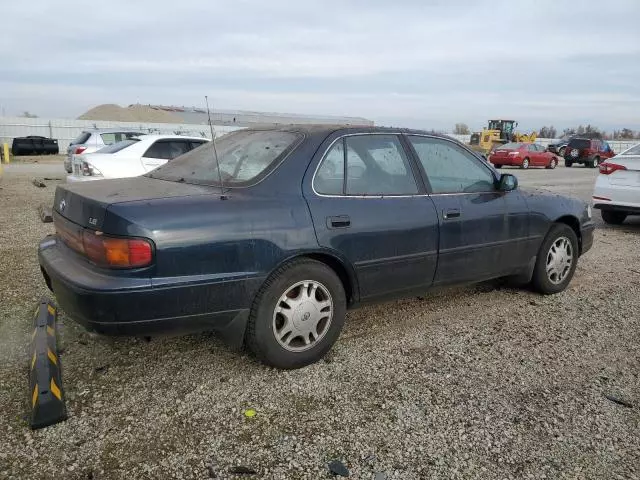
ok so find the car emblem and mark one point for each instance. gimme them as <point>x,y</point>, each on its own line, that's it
<point>306,316</point>
<point>62,205</point>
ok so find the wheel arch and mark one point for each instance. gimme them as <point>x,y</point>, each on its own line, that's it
<point>574,224</point>
<point>341,267</point>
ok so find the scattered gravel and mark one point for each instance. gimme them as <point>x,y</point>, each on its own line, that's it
<point>479,382</point>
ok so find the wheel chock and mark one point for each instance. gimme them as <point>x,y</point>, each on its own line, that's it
<point>46,395</point>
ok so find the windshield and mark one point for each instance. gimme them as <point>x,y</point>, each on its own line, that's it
<point>635,150</point>
<point>245,157</point>
<point>116,147</point>
<point>579,143</point>
<point>509,146</point>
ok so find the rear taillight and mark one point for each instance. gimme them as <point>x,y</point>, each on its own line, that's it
<point>116,252</point>
<point>79,150</point>
<point>607,168</point>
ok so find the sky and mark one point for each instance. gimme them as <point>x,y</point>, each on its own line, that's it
<point>415,63</point>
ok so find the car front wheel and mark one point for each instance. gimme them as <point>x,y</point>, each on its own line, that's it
<point>557,260</point>
<point>297,315</point>
<point>553,163</point>
<point>613,218</point>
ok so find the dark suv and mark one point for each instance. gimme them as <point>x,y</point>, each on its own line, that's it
<point>589,152</point>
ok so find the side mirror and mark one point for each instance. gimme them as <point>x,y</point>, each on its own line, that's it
<point>507,182</point>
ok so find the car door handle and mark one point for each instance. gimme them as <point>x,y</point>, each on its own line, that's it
<point>452,213</point>
<point>340,221</point>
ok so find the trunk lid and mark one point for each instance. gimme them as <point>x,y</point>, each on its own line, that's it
<point>629,177</point>
<point>86,204</point>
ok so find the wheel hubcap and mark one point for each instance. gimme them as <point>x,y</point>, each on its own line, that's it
<point>559,260</point>
<point>302,316</point>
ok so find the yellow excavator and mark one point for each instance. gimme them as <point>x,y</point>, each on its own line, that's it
<point>499,132</point>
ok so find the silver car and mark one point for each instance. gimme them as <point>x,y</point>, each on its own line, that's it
<point>90,141</point>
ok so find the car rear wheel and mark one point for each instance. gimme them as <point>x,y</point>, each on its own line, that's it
<point>557,260</point>
<point>561,151</point>
<point>297,315</point>
<point>613,218</point>
<point>553,163</point>
<point>568,163</point>
<point>525,164</point>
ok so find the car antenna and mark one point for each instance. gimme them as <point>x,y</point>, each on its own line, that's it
<point>215,152</point>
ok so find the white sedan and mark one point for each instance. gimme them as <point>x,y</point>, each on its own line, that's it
<point>131,158</point>
<point>617,190</point>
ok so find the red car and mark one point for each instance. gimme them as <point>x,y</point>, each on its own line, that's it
<point>523,155</point>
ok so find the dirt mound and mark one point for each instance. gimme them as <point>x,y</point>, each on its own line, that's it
<point>132,113</point>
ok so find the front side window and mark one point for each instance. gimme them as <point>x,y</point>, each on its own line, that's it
<point>449,168</point>
<point>244,156</point>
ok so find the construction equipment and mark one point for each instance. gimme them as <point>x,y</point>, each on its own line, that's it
<point>498,132</point>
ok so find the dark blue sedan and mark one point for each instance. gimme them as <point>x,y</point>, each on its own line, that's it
<point>269,236</point>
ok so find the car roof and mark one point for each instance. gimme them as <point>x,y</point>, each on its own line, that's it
<point>345,129</point>
<point>112,130</point>
<point>155,136</point>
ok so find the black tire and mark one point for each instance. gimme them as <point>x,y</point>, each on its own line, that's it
<point>525,164</point>
<point>593,163</point>
<point>561,151</point>
<point>553,163</point>
<point>260,337</point>
<point>497,166</point>
<point>568,163</point>
<point>613,217</point>
<point>541,281</point>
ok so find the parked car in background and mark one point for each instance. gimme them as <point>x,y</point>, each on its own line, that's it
<point>559,146</point>
<point>617,190</point>
<point>34,145</point>
<point>587,151</point>
<point>90,141</point>
<point>523,155</point>
<point>297,225</point>
<point>132,157</point>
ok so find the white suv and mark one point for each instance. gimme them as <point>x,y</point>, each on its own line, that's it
<point>617,190</point>
<point>90,141</point>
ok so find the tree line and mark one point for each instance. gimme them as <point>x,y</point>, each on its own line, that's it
<point>586,130</point>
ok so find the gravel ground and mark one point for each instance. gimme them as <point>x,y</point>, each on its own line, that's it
<point>481,382</point>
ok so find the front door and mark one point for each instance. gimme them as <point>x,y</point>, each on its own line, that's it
<point>369,206</point>
<point>483,231</point>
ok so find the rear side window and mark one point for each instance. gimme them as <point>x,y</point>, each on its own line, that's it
<point>579,143</point>
<point>245,157</point>
<point>376,165</point>
<point>82,138</point>
<point>451,169</point>
<point>167,149</point>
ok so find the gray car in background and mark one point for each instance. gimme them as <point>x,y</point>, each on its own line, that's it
<point>90,141</point>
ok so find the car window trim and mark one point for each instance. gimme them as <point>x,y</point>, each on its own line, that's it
<point>455,144</point>
<point>408,154</point>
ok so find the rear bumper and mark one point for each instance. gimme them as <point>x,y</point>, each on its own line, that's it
<point>113,304</point>
<point>506,162</point>
<point>608,196</point>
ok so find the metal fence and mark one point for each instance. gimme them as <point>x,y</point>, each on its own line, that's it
<point>66,130</point>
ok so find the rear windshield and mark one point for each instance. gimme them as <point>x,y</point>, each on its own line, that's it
<point>579,143</point>
<point>635,150</point>
<point>116,147</point>
<point>509,146</point>
<point>82,138</point>
<point>245,157</point>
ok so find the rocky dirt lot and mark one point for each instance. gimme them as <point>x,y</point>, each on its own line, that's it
<point>480,382</point>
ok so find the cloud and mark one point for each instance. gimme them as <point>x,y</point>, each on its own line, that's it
<point>421,63</point>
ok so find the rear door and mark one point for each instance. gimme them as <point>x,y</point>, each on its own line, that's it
<point>483,232</point>
<point>370,208</point>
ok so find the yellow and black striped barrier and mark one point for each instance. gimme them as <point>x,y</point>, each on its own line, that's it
<point>46,396</point>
